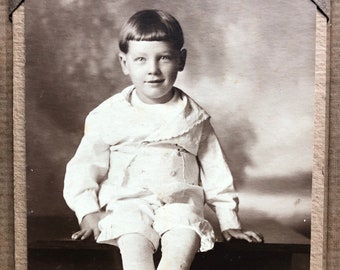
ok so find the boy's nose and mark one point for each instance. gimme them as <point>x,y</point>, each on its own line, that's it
<point>153,67</point>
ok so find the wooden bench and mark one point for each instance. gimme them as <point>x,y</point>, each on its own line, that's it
<point>50,247</point>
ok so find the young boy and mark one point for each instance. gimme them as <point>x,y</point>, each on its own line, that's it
<point>150,160</point>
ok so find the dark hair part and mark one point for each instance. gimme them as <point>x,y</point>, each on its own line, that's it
<point>151,25</point>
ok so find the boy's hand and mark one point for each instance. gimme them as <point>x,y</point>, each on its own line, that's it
<point>89,226</point>
<point>251,237</point>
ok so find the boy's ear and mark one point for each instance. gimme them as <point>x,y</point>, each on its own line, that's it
<point>182,59</point>
<point>122,60</point>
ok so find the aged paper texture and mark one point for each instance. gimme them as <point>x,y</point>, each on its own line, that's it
<point>321,109</point>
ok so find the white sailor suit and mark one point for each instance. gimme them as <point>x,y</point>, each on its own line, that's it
<point>150,182</point>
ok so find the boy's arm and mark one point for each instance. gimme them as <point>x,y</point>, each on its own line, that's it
<point>217,180</point>
<point>217,183</point>
<point>88,166</point>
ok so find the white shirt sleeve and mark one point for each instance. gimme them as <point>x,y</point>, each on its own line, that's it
<point>217,180</point>
<point>85,170</point>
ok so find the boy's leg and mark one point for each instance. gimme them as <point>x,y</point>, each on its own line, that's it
<point>179,246</point>
<point>137,252</point>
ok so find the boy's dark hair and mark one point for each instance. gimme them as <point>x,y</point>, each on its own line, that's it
<point>151,25</point>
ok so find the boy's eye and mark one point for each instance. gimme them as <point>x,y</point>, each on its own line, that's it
<point>140,59</point>
<point>165,58</point>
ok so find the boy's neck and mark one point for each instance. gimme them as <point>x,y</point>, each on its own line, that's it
<point>161,100</point>
<point>140,101</point>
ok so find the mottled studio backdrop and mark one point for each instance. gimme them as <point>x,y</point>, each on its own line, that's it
<point>250,64</point>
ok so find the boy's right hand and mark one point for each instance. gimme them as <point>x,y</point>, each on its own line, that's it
<point>89,226</point>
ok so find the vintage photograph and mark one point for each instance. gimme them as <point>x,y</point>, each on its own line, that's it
<point>169,135</point>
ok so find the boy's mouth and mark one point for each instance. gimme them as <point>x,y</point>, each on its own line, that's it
<point>154,81</point>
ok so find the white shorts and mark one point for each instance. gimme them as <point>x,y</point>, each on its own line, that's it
<point>140,215</point>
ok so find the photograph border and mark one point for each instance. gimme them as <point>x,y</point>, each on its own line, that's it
<point>326,162</point>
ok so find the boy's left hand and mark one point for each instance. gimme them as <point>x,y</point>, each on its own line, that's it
<point>250,236</point>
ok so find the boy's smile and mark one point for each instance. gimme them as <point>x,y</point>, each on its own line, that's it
<point>152,67</point>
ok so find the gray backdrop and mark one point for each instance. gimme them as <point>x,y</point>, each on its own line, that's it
<point>250,65</point>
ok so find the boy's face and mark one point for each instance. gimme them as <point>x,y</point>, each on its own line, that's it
<point>152,67</point>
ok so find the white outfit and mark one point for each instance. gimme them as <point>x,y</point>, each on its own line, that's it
<point>153,166</point>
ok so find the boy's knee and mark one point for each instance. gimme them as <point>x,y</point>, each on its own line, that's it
<point>182,240</point>
<point>136,251</point>
<point>134,241</point>
<point>179,246</point>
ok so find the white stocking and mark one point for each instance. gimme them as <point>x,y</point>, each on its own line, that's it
<point>137,252</point>
<point>179,247</point>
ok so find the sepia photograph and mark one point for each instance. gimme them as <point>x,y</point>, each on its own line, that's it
<point>169,134</point>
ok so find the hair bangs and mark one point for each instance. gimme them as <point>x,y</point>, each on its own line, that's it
<point>151,25</point>
<point>150,32</point>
